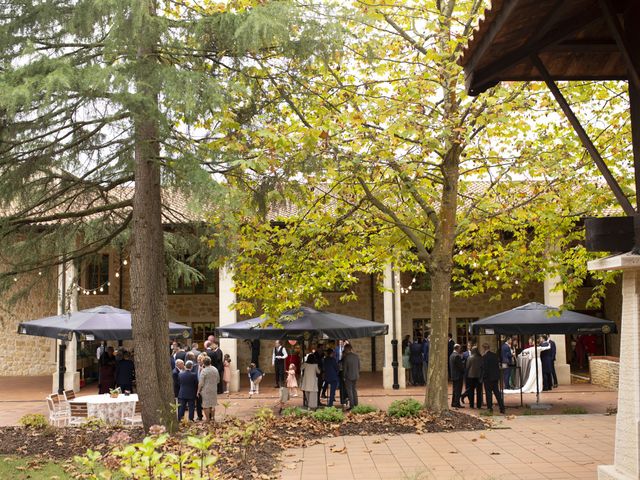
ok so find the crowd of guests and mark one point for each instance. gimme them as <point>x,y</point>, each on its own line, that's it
<point>199,377</point>
<point>327,372</point>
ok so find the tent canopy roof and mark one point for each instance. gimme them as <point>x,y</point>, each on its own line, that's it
<point>307,323</point>
<point>536,318</point>
<point>99,323</point>
<point>571,37</point>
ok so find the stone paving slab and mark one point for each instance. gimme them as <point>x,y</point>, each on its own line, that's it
<point>561,447</point>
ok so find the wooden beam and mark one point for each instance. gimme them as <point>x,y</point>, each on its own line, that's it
<point>584,137</point>
<point>478,81</point>
<point>490,35</point>
<point>632,40</point>
<point>618,34</point>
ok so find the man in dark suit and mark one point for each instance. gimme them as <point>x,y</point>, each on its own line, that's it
<point>415,357</point>
<point>456,367</point>
<point>188,391</point>
<point>553,363</point>
<point>490,377</point>
<point>125,373</point>
<point>215,354</point>
<point>277,360</point>
<point>175,373</point>
<point>546,359</point>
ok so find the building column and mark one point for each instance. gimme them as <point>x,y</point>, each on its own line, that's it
<point>555,299</point>
<point>227,316</point>
<point>626,464</point>
<point>393,318</point>
<point>67,303</point>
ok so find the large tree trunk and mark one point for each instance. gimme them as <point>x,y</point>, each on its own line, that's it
<point>441,266</point>
<point>148,278</point>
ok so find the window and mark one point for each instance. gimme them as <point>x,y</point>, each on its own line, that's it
<point>191,286</point>
<point>96,276</point>
<point>201,331</point>
<point>420,326</point>
<point>462,335</point>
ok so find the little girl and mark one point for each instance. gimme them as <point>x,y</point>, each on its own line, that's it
<point>226,376</point>
<point>292,382</point>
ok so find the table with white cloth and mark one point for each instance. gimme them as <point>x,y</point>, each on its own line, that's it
<point>108,409</point>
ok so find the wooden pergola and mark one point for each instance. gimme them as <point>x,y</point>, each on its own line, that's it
<point>578,40</point>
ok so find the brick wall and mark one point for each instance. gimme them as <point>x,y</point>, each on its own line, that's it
<point>605,371</point>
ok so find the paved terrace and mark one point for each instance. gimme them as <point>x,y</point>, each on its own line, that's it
<point>561,447</point>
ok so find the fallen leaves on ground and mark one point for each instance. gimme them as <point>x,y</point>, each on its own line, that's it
<point>241,457</point>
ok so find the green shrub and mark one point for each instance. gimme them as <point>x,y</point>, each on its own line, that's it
<point>295,412</point>
<point>329,415</point>
<point>34,420</point>
<point>574,411</point>
<point>407,407</point>
<point>362,409</point>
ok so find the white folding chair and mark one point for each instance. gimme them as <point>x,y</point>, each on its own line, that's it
<point>69,395</point>
<point>136,418</point>
<point>58,417</point>
<point>79,413</point>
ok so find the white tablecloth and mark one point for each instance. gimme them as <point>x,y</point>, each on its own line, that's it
<point>111,410</point>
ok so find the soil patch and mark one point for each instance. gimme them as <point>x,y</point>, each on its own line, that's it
<point>244,452</point>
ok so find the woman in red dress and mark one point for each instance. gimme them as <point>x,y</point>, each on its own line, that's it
<point>293,358</point>
<point>107,371</point>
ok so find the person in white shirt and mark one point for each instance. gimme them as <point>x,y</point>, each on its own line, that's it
<point>277,360</point>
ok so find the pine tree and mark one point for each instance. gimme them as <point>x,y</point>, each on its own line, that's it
<point>97,97</point>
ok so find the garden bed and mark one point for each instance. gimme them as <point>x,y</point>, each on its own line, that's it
<point>244,452</point>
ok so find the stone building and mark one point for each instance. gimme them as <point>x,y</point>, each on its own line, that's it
<point>204,305</point>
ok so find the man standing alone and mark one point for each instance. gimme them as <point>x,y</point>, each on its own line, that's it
<point>277,360</point>
<point>456,367</point>
<point>351,371</point>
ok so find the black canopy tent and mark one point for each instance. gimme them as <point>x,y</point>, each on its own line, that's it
<point>534,319</point>
<point>304,323</point>
<point>98,323</point>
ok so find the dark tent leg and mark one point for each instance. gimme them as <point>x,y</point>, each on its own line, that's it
<point>61,366</point>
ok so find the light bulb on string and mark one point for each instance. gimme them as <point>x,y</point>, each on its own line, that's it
<point>125,261</point>
<point>117,274</point>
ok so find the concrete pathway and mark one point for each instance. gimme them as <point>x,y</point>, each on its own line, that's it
<point>536,448</point>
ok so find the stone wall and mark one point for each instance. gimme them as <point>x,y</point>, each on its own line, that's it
<point>26,355</point>
<point>605,371</point>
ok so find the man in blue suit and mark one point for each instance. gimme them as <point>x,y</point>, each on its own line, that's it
<point>506,358</point>
<point>188,391</point>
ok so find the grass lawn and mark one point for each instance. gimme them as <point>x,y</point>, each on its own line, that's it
<point>21,468</point>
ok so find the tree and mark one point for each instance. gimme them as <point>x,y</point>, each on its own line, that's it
<point>392,163</point>
<point>102,99</point>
